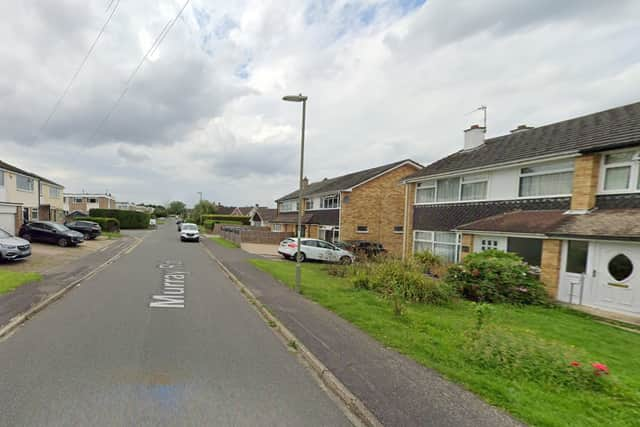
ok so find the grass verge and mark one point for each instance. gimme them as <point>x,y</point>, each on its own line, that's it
<point>434,336</point>
<point>10,280</point>
<point>224,242</point>
<point>110,235</point>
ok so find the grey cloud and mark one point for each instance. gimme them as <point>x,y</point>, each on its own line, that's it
<point>131,154</point>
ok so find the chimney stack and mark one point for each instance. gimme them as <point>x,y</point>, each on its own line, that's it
<point>474,137</point>
<point>521,128</point>
<point>305,182</point>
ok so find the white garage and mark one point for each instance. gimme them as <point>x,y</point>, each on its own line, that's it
<point>8,217</point>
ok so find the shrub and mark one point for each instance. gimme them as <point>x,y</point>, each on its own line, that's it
<point>226,219</point>
<point>128,219</point>
<point>433,264</point>
<point>107,224</point>
<point>337,270</point>
<point>208,224</point>
<point>496,276</point>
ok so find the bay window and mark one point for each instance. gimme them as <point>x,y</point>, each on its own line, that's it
<point>548,179</point>
<point>444,244</point>
<point>621,171</point>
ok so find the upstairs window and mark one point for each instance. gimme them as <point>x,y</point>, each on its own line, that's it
<point>331,202</point>
<point>77,200</point>
<point>308,204</point>
<point>621,171</point>
<point>465,188</point>
<point>1,178</point>
<point>92,200</point>
<point>426,192</point>
<point>448,190</point>
<point>289,206</point>
<point>550,179</point>
<point>473,187</point>
<point>54,192</point>
<point>24,183</point>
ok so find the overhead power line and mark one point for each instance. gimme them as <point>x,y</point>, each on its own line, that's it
<point>80,67</point>
<point>154,47</point>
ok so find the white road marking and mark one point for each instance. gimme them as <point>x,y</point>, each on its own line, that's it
<point>173,281</point>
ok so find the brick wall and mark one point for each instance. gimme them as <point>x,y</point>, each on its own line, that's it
<point>585,182</point>
<point>467,242</point>
<point>550,265</point>
<point>379,205</point>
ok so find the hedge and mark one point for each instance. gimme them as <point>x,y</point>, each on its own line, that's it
<point>128,219</point>
<point>226,219</point>
<point>107,224</point>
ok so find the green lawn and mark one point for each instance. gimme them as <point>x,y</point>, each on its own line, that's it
<point>9,280</point>
<point>224,242</point>
<point>435,336</point>
<point>111,235</point>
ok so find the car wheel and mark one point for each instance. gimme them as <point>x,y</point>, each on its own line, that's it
<point>87,236</point>
<point>345,260</point>
<point>302,257</point>
<point>27,237</point>
<point>63,242</point>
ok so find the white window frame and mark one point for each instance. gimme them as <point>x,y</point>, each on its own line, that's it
<point>634,181</point>
<point>32,180</point>
<point>433,241</point>
<point>276,228</point>
<point>360,231</point>
<point>78,199</point>
<point>324,199</point>
<point>308,204</point>
<point>54,192</point>
<point>1,178</point>
<point>463,179</point>
<point>548,172</point>
<point>289,206</point>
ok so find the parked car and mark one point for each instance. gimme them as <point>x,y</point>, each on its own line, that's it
<point>89,229</point>
<point>179,222</point>
<point>190,232</point>
<point>314,249</point>
<point>365,248</point>
<point>50,232</point>
<point>13,248</point>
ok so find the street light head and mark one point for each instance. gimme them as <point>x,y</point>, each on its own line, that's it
<point>294,98</point>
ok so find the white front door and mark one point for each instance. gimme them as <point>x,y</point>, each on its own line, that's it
<point>617,277</point>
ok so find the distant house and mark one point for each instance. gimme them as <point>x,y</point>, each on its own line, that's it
<point>26,196</point>
<point>130,206</point>
<point>234,210</point>
<point>261,216</point>
<point>363,205</point>
<point>84,202</point>
<point>564,196</point>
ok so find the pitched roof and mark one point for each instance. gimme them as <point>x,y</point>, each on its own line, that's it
<point>323,217</point>
<point>538,222</point>
<point>267,214</point>
<point>344,182</point>
<point>7,166</point>
<point>613,128</point>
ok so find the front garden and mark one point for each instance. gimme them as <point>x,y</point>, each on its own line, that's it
<point>487,325</point>
<point>10,280</point>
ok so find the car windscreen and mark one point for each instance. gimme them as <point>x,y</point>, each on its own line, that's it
<point>58,227</point>
<point>4,234</point>
<point>189,227</point>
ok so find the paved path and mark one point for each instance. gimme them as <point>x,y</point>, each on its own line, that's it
<point>101,356</point>
<point>397,390</point>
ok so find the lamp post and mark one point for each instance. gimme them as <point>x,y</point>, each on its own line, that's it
<point>303,99</point>
<point>200,193</point>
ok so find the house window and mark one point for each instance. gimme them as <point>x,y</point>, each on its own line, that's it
<point>308,204</point>
<point>77,200</point>
<point>24,183</point>
<point>529,249</point>
<point>362,228</point>
<point>289,206</point>
<point>487,244</point>
<point>398,229</point>
<point>331,202</point>
<point>1,178</point>
<point>448,190</point>
<point>621,171</point>
<point>577,256</point>
<point>426,192</point>
<point>546,180</point>
<point>276,228</point>
<point>34,213</point>
<point>54,192</point>
<point>474,187</point>
<point>442,243</point>
<point>93,200</point>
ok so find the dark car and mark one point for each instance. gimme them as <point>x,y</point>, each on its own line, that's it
<point>89,229</point>
<point>50,232</point>
<point>365,248</point>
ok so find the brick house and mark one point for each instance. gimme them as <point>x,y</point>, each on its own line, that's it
<point>363,205</point>
<point>84,202</point>
<point>26,196</point>
<point>565,196</point>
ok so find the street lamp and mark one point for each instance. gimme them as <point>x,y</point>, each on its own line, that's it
<point>303,99</point>
<point>200,193</point>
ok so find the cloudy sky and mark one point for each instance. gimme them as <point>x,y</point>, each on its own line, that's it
<point>386,79</point>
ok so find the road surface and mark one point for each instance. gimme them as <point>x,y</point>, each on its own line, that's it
<point>159,338</point>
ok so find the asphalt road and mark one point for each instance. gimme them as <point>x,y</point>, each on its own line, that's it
<point>103,356</point>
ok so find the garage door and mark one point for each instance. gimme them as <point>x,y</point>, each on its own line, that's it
<point>8,222</point>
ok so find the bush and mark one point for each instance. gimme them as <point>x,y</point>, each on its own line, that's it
<point>107,224</point>
<point>208,224</point>
<point>432,264</point>
<point>497,277</point>
<point>128,219</point>
<point>226,219</point>
<point>402,279</point>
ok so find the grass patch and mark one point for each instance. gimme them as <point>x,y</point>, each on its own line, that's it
<point>435,336</point>
<point>224,242</point>
<point>10,280</point>
<point>110,235</point>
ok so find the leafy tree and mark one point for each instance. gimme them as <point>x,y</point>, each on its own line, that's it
<point>160,211</point>
<point>177,208</point>
<point>203,207</point>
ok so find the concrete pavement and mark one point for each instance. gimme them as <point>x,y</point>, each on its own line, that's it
<point>103,356</point>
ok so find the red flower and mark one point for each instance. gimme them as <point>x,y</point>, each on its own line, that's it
<point>600,368</point>
<point>574,363</point>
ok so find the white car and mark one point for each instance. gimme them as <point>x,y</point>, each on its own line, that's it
<point>152,222</point>
<point>189,231</point>
<point>315,249</point>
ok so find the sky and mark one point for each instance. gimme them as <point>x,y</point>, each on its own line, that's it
<point>386,80</point>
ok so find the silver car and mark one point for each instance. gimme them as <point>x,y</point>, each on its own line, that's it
<point>13,248</point>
